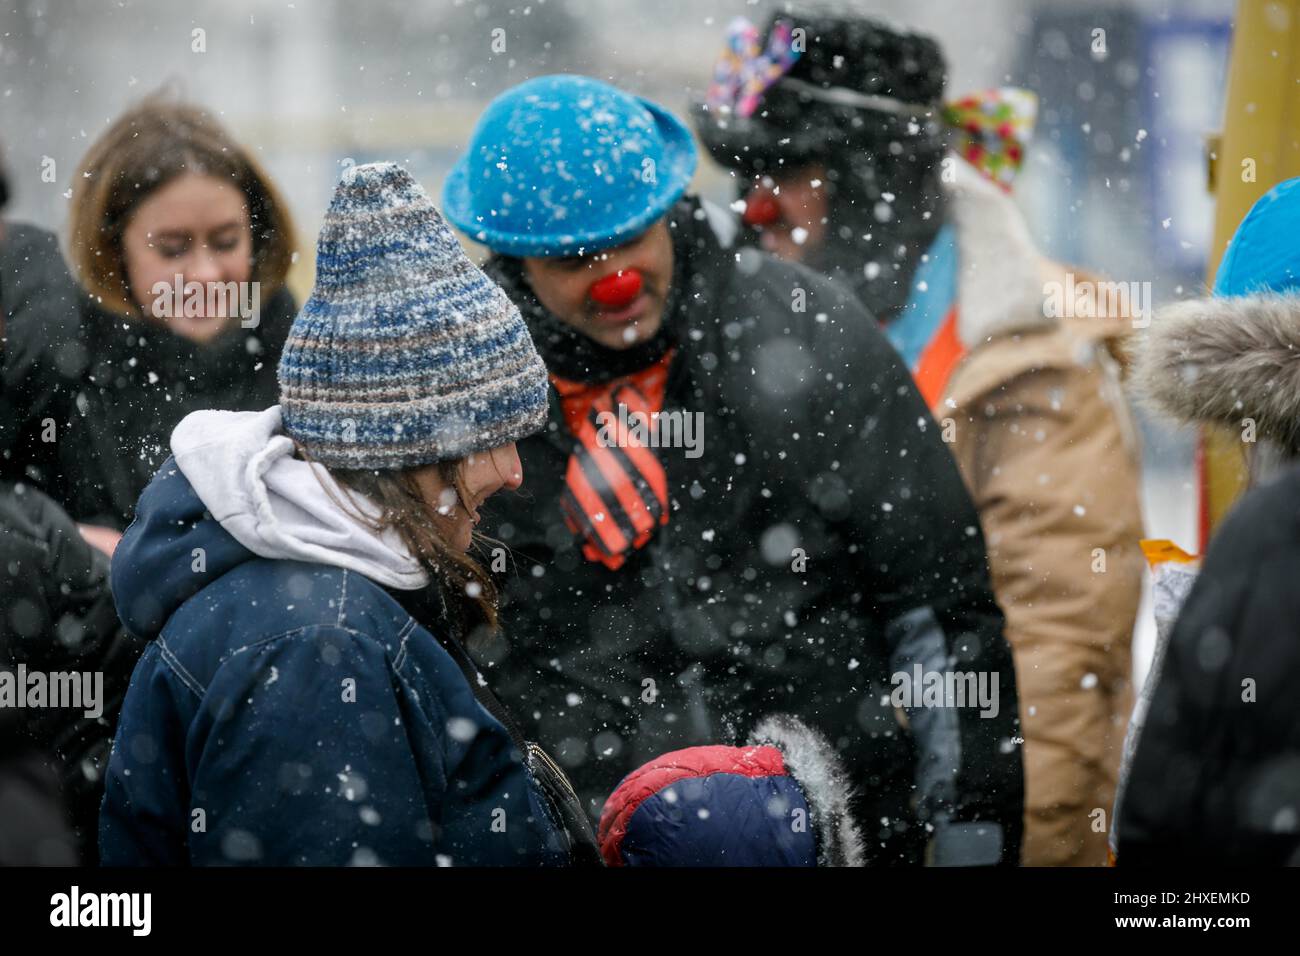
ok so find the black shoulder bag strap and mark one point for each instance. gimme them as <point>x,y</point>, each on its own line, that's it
<point>559,792</point>
<point>554,784</point>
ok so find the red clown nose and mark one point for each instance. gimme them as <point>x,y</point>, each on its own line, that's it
<point>761,211</point>
<point>617,289</point>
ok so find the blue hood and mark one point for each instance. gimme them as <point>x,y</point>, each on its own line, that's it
<point>1230,358</point>
<point>1264,254</point>
<point>172,550</point>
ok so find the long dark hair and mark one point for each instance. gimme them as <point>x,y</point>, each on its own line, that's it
<point>467,589</point>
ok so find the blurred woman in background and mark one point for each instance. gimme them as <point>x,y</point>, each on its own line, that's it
<point>181,244</point>
<point>95,379</point>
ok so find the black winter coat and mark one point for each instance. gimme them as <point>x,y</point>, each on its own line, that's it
<point>1215,780</point>
<point>816,444</point>
<point>45,355</point>
<point>57,615</point>
<point>87,405</point>
<point>114,388</point>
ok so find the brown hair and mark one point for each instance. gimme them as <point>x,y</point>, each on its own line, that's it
<point>467,587</point>
<point>147,147</point>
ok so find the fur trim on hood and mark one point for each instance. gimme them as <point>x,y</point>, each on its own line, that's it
<point>1220,360</point>
<point>816,767</point>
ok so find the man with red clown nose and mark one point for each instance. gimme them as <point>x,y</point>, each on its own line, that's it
<point>818,543</point>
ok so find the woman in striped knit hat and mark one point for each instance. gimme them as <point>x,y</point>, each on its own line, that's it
<point>301,576</point>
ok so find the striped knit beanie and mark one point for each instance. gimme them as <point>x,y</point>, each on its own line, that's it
<point>406,353</point>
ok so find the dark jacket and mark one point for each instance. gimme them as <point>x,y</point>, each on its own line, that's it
<point>34,828</point>
<point>816,448</point>
<point>46,356</point>
<point>57,616</point>
<point>286,712</point>
<point>1215,777</point>
<point>56,612</point>
<point>53,589</point>
<point>1215,780</point>
<point>114,388</point>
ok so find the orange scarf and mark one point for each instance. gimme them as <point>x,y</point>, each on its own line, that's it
<point>615,496</point>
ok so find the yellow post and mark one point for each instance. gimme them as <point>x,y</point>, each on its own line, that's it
<point>1259,147</point>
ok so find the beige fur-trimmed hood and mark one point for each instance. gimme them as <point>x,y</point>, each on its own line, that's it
<point>1221,360</point>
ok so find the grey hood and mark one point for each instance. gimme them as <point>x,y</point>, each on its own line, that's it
<point>818,770</point>
<point>242,467</point>
<point>1220,361</point>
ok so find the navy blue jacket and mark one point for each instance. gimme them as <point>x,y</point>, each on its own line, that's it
<point>294,713</point>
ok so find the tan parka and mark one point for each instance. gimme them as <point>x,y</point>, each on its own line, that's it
<point>1045,441</point>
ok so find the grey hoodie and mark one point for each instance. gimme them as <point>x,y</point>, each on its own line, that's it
<point>242,467</point>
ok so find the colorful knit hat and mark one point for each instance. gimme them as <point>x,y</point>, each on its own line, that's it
<point>991,129</point>
<point>406,353</point>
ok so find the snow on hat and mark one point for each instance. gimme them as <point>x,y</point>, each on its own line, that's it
<point>565,164</point>
<point>406,353</point>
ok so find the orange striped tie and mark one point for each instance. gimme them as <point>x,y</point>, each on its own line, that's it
<point>615,495</point>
